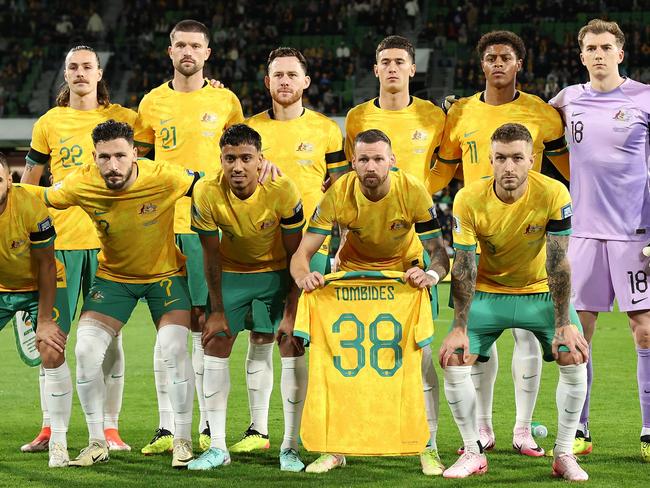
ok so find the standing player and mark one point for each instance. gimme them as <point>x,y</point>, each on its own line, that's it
<point>608,122</point>
<point>466,140</point>
<point>131,203</point>
<point>309,151</point>
<point>522,220</point>
<point>183,119</point>
<point>62,138</point>
<point>382,210</point>
<point>33,281</point>
<point>415,127</point>
<point>249,283</point>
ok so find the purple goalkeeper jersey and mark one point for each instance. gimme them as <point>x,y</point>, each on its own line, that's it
<point>609,156</point>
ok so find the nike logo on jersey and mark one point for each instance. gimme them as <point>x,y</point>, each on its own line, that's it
<point>164,121</point>
<point>467,134</point>
<point>635,301</point>
<point>169,302</point>
<point>575,114</point>
<point>63,141</point>
<point>99,212</point>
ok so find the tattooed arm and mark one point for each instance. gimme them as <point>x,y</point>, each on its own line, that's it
<point>32,173</point>
<point>438,254</point>
<point>559,285</point>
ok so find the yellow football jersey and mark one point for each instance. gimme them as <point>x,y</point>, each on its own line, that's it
<point>471,123</point>
<point>251,229</point>
<point>381,235</point>
<point>25,225</point>
<point>364,397</point>
<point>135,226</point>
<point>185,128</point>
<point>414,131</point>
<point>512,236</point>
<point>63,138</point>
<point>310,147</point>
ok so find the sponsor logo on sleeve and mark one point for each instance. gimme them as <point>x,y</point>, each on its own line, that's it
<point>297,208</point>
<point>45,224</point>
<point>567,211</point>
<point>456,225</point>
<point>432,212</point>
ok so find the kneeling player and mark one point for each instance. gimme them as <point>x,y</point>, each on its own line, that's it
<point>248,283</point>
<point>522,221</point>
<point>31,280</point>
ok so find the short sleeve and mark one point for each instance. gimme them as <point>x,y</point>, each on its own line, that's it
<point>350,133</point>
<point>450,151</point>
<point>301,328</point>
<point>325,214</point>
<point>41,231</point>
<point>39,150</point>
<point>424,213</point>
<point>203,221</point>
<point>236,115</point>
<point>554,141</point>
<point>335,158</point>
<point>182,179</point>
<point>464,232</point>
<point>62,194</point>
<point>292,218</point>
<point>144,134</point>
<point>559,222</point>
<point>424,321</point>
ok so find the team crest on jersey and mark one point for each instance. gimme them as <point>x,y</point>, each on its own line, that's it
<point>209,118</point>
<point>57,185</point>
<point>567,211</point>
<point>147,208</point>
<point>304,162</point>
<point>96,295</point>
<point>45,224</point>
<point>305,147</point>
<point>532,229</point>
<point>17,244</point>
<point>419,135</point>
<point>267,224</point>
<point>456,224</point>
<point>398,225</point>
<point>623,115</point>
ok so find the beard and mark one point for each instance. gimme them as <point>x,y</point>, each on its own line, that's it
<point>4,197</point>
<point>117,185</point>
<point>373,181</point>
<point>188,70</point>
<point>283,101</point>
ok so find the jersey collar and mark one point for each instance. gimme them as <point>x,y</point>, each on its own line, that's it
<point>376,101</point>
<point>272,115</point>
<point>171,85</point>
<point>517,93</point>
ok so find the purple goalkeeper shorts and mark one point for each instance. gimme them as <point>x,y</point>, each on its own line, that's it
<point>603,270</point>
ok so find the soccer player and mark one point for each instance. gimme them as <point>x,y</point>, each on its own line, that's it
<point>522,220</point>
<point>32,280</point>
<point>183,119</point>
<point>309,151</point>
<point>61,138</point>
<point>249,283</point>
<point>466,141</point>
<point>131,203</point>
<point>382,211</point>
<point>414,127</point>
<point>607,120</point>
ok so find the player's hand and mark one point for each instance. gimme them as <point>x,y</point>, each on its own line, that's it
<point>268,168</point>
<point>569,336</point>
<point>456,339</point>
<point>215,324</point>
<point>216,84</point>
<point>448,101</point>
<point>418,278</point>
<point>48,333</point>
<point>285,332</point>
<point>327,182</point>
<point>311,281</point>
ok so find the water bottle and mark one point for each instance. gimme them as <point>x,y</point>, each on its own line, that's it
<point>538,430</point>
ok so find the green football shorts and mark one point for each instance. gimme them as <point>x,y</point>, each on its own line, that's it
<point>27,301</point>
<point>117,300</point>
<point>80,268</point>
<point>254,301</point>
<point>190,246</point>
<point>492,313</point>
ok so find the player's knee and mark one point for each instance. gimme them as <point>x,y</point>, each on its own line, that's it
<point>50,357</point>
<point>457,360</point>
<point>640,324</point>
<point>197,319</point>
<point>574,374</point>
<point>567,359</point>
<point>173,341</point>
<point>260,338</point>
<point>92,343</point>
<point>219,346</point>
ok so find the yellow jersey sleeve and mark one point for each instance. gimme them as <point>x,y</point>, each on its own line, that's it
<point>451,151</point>
<point>39,144</point>
<point>144,134</point>
<point>560,212</point>
<point>41,233</point>
<point>463,228</point>
<point>424,212</point>
<point>292,218</point>
<point>203,221</point>
<point>61,195</point>
<point>352,128</point>
<point>325,214</point>
<point>335,157</point>
<point>236,113</point>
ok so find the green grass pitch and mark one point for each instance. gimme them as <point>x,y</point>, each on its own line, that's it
<point>615,425</point>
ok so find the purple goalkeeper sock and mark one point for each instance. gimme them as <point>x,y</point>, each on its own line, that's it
<point>643,377</point>
<point>584,416</point>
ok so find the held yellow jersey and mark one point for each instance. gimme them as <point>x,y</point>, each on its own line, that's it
<point>364,397</point>
<point>471,123</point>
<point>185,128</point>
<point>135,226</point>
<point>414,131</point>
<point>512,236</point>
<point>251,240</point>
<point>382,235</point>
<point>63,138</point>
<point>306,149</point>
<point>25,225</point>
